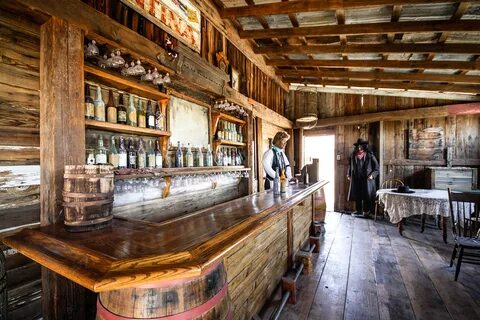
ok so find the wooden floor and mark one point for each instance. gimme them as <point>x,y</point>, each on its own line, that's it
<point>366,270</point>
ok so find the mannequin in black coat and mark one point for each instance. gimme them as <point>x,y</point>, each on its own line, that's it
<point>362,171</point>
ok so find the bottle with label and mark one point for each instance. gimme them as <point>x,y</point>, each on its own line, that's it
<point>158,155</point>
<point>113,157</point>
<point>276,184</point>
<point>150,155</point>
<point>189,156</point>
<point>122,154</point>
<point>121,110</point>
<point>89,105</point>
<point>199,162</point>
<point>131,112</point>
<point>111,108</point>
<point>99,106</point>
<point>219,157</point>
<point>131,155</point>
<point>150,116</point>
<point>283,182</point>
<point>159,118</point>
<point>220,130</point>
<point>141,155</point>
<point>226,161</point>
<point>179,156</point>
<point>209,157</point>
<point>234,132</point>
<point>100,152</point>
<point>142,121</point>
<point>90,156</point>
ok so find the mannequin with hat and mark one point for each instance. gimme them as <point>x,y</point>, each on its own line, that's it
<point>362,171</point>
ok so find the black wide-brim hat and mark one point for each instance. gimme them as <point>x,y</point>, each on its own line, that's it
<point>360,142</point>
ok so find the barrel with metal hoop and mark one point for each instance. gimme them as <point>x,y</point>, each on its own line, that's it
<point>88,197</point>
<point>200,298</point>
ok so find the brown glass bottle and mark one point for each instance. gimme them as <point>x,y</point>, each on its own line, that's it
<point>150,116</point>
<point>131,155</point>
<point>111,108</point>
<point>121,110</point>
<point>89,106</point>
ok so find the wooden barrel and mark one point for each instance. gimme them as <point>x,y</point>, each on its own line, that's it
<point>88,197</point>
<point>200,298</point>
<point>320,206</point>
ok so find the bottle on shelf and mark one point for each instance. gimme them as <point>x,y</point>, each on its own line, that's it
<point>283,182</point>
<point>276,184</point>
<point>189,156</point>
<point>200,162</point>
<point>209,157</point>
<point>89,105</point>
<point>121,110</point>
<point>219,157</point>
<point>100,152</point>
<point>240,134</point>
<point>141,155</point>
<point>234,133</point>
<point>220,130</point>
<point>99,106</point>
<point>158,155</point>
<point>131,112</point>
<point>90,156</point>
<point>113,156</point>
<point>141,117</point>
<point>150,116</point>
<point>225,157</point>
<point>111,108</point>
<point>179,156</point>
<point>150,155</point>
<point>122,154</point>
<point>159,118</point>
<point>131,155</point>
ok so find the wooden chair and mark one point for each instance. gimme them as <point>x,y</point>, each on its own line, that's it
<point>387,184</point>
<point>465,215</point>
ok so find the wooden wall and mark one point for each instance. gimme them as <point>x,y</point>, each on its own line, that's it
<point>461,132</point>
<point>19,154</point>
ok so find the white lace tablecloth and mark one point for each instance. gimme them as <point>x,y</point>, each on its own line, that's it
<point>423,201</point>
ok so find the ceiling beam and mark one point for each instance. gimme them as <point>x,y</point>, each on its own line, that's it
<point>453,78</point>
<point>393,64</point>
<point>460,48</point>
<point>475,89</point>
<point>364,28</point>
<point>314,5</point>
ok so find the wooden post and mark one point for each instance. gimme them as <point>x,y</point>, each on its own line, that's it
<point>290,151</point>
<point>62,142</point>
<point>259,139</point>
<point>250,152</point>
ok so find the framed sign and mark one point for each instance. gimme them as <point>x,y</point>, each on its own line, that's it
<point>180,18</point>
<point>235,81</point>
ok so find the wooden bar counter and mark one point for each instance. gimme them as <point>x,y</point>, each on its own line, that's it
<point>255,237</point>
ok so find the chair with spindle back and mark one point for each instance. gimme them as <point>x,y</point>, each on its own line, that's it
<point>465,215</point>
<point>387,184</point>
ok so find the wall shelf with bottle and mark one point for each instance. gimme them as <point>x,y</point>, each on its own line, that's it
<point>122,128</point>
<point>123,174</point>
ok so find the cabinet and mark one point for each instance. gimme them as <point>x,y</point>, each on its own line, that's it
<point>455,178</point>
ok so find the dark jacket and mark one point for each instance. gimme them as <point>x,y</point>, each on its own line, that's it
<point>360,187</point>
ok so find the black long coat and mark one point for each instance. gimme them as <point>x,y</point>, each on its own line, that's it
<point>360,187</point>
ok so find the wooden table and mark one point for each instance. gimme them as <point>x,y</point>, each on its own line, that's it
<point>421,202</point>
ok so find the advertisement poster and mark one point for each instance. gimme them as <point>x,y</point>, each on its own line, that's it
<point>180,18</point>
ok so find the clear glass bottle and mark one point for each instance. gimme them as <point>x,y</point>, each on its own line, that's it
<point>132,154</point>
<point>141,155</point>
<point>150,116</point>
<point>179,156</point>
<point>111,108</point>
<point>150,155</point>
<point>141,117</point>
<point>276,184</point>
<point>159,118</point>
<point>122,154</point>
<point>121,110</point>
<point>113,156</point>
<point>89,105</point>
<point>219,157</point>
<point>90,156</point>
<point>209,157</point>
<point>131,112</point>
<point>100,152</point>
<point>99,106</point>
<point>200,162</point>
<point>189,156</point>
<point>225,157</point>
<point>158,155</point>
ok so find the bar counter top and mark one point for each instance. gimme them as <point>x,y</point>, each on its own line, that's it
<point>131,253</point>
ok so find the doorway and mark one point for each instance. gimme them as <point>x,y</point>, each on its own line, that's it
<point>322,147</point>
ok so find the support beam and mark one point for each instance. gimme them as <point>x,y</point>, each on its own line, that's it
<point>313,5</point>
<point>464,48</point>
<point>364,28</point>
<point>391,64</point>
<point>453,78</point>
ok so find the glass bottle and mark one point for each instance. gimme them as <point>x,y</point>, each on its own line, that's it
<point>234,132</point>
<point>142,123</point>
<point>132,155</point>
<point>89,105</point>
<point>113,156</point>
<point>159,125</point>
<point>276,184</point>
<point>90,156</point>
<point>150,155</point>
<point>141,155</point>
<point>99,106</point>
<point>220,131</point>
<point>219,157</point>
<point>189,156</point>
<point>100,152</point>
<point>158,155</point>
<point>199,157</point>
<point>150,116</point>
<point>122,154</point>
<point>225,157</point>
<point>111,108</point>
<point>131,113</point>
<point>121,110</point>
<point>283,182</point>
<point>179,156</point>
<point>209,157</point>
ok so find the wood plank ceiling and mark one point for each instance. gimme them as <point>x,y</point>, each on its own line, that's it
<point>406,45</point>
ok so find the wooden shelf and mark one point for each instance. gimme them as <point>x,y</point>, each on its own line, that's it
<point>216,116</point>
<point>122,174</point>
<point>229,143</point>
<point>122,128</point>
<point>129,85</point>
